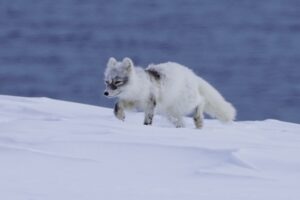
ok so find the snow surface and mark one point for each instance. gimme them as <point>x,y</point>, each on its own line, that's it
<point>60,150</point>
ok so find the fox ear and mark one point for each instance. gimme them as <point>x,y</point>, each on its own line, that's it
<point>111,61</point>
<point>128,64</point>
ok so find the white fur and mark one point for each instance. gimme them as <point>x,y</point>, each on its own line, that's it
<point>178,91</point>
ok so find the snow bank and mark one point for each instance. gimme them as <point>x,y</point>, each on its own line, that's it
<point>59,150</point>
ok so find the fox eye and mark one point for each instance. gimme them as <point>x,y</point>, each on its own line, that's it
<point>118,82</point>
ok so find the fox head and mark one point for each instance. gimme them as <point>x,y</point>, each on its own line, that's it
<point>117,76</point>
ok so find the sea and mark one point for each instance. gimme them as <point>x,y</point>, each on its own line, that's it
<point>248,49</point>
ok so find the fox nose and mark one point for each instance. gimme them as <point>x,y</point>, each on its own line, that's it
<point>106,93</point>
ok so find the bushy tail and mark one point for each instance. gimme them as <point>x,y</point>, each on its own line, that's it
<point>215,104</point>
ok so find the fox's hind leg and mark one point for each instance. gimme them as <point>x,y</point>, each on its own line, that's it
<point>198,115</point>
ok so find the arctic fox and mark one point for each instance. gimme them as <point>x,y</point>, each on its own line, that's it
<point>168,88</point>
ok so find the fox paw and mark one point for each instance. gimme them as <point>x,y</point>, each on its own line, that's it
<point>120,116</point>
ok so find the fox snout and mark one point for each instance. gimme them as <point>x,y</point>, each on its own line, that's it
<point>111,93</point>
<point>108,94</point>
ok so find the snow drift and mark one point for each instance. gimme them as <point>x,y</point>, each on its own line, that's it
<point>53,149</point>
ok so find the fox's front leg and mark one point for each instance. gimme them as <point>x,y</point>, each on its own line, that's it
<point>119,110</point>
<point>149,110</point>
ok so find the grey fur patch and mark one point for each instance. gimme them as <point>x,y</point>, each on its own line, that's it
<point>119,111</point>
<point>153,73</point>
<point>198,118</point>
<point>152,100</point>
<point>116,108</point>
<point>149,112</point>
<point>148,121</point>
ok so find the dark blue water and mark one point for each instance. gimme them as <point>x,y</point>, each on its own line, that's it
<point>248,49</point>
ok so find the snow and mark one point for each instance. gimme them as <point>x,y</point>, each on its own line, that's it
<point>52,149</point>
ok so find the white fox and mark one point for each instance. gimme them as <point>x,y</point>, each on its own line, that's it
<point>168,88</point>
